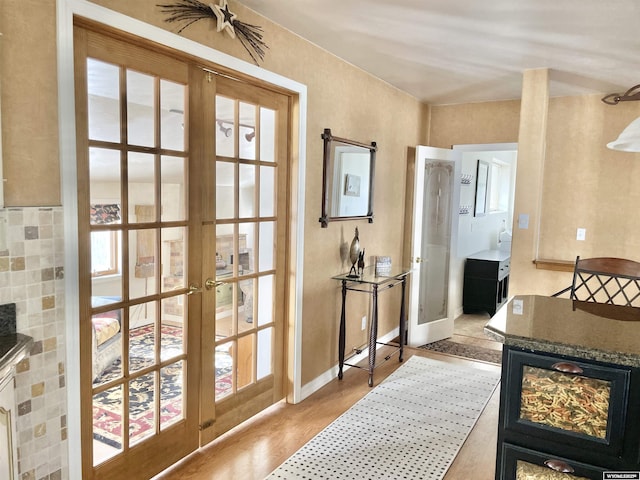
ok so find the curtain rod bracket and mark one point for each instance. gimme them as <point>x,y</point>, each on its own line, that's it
<point>630,95</point>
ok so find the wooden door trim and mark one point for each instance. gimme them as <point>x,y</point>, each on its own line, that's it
<point>217,68</point>
<point>82,147</point>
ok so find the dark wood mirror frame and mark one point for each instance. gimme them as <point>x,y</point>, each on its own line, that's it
<point>332,189</point>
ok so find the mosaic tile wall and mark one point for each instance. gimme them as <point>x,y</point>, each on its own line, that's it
<point>32,276</point>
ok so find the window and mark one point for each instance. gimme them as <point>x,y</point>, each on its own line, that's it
<point>105,253</point>
<point>499,186</point>
<point>105,244</point>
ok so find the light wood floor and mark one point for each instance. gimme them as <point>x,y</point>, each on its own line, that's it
<point>257,447</point>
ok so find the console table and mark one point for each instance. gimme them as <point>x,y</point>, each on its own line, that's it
<point>370,283</point>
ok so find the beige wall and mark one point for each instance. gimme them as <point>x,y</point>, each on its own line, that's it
<point>470,123</point>
<point>588,185</point>
<point>582,184</point>
<point>29,103</point>
<point>529,176</point>
<point>585,185</point>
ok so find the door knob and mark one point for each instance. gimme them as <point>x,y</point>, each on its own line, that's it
<point>210,283</point>
<point>193,288</point>
<point>418,260</point>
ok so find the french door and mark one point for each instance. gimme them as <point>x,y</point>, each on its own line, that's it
<point>243,236</point>
<point>435,211</point>
<point>181,252</point>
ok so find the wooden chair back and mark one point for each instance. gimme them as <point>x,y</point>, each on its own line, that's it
<point>615,281</point>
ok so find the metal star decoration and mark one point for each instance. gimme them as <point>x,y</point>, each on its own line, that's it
<point>190,11</point>
<point>225,17</point>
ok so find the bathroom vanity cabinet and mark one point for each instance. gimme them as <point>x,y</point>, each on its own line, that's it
<point>486,281</point>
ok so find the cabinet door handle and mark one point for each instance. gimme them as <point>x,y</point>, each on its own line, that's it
<point>559,466</point>
<point>567,367</point>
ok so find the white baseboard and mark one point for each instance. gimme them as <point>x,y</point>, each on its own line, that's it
<point>324,378</point>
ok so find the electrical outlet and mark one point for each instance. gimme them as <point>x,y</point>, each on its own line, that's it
<point>364,322</point>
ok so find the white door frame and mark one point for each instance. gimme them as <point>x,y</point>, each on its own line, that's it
<point>66,9</point>
<point>443,328</point>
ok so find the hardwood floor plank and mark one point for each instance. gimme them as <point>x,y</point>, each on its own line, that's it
<point>255,448</point>
<point>477,457</point>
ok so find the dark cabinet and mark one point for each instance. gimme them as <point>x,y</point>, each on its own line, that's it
<point>523,464</point>
<point>575,416</point>
<point>486,282</point>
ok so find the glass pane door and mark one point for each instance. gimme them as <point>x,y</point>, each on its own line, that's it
<point>245,243</point>
<point>246,225</point>
<point>133,210</point>
<point>436,241</point>
<point>137,178</point>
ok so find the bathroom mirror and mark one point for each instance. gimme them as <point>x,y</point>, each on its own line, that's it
<point>482,180</point>
<point>347,179</point>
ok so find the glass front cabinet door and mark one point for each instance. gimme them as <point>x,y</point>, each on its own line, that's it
<point>577,403</point>
<point>524,464</point>
<point>562,417</point>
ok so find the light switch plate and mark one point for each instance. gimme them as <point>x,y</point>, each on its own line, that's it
<point>518,306</point>
<point>581,234</point>
<point>523,221</point>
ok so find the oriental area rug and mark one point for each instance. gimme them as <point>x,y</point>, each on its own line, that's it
<point>411,426</point>
<point>474,352</point>
<point>107,405</point>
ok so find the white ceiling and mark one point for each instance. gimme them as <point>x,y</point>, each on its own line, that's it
<point>459,51</point>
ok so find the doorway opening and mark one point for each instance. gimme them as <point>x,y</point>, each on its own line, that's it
<point>481,216</point>
<point>486,207</point>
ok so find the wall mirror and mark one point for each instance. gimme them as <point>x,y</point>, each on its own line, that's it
<point>482,181</point>
<point>347,179</point>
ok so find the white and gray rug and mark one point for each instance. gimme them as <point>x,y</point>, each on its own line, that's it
<point>411,426</point>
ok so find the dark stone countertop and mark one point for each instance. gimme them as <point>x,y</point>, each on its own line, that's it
<point>592,331</point>
<point>13,348</point>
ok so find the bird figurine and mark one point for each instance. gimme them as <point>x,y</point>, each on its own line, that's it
<point>361,262</point>
<point>354,254</point>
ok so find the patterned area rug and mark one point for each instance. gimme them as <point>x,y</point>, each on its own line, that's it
<point>107,405</point>
<point>412,425</point>
<point>465,350</point>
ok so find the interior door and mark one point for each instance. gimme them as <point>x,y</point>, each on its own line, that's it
<point>139,328</point>
<point>244,232</point>
<point>435,214</point>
